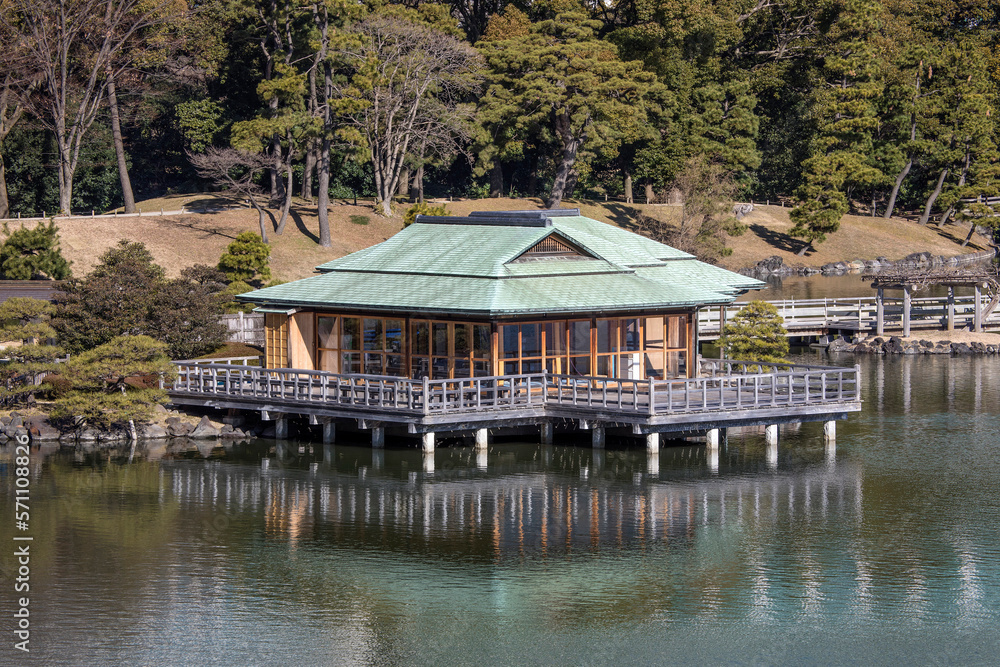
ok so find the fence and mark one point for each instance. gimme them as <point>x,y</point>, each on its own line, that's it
<point>247,328</point>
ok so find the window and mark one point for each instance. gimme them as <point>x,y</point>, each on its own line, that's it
<point>441,350</point>
<point>372,346</point>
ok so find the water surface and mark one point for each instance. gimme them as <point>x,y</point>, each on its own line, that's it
<point>886,550</point>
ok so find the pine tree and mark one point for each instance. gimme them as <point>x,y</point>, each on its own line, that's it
<point>116,384</point>
<point>246,260</point>
<point>845,111</point>
<point>24,326</point>
<point>30,254</point>
<point>756,333</point>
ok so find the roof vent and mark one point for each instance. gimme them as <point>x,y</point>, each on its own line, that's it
<point>553,246</point>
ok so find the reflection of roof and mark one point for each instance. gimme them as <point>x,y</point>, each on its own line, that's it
<point>509,264</point>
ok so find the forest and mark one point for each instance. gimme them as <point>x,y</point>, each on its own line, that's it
<point>832,106</point>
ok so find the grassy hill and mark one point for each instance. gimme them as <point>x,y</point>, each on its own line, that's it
<point>177,241</point>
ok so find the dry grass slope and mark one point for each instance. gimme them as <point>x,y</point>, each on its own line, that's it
<point>178,241</point>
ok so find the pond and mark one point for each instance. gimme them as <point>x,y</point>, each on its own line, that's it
<point>884,550</point>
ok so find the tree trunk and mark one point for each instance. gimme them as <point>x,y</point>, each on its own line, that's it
<point>286,206</point>
<point>933,197</point>
<point>324,195</point>
<point>116,134</point>
<point>874,203</point>
<point>896,186</point>
<point>650,195</point>
<point>415,186</point>
<point>261,218</point>
<point>566,161</point>
<point>804,249</point>
<point>972,230</point>
<point>946,215</point>
<point>277,182</point>
<point>404,182</point>
<point>420,183</point>
<point>307,173</point>
<point>4,203</point>
<point>628,187</point>
<point>496,180</point>
<point>65,178</point>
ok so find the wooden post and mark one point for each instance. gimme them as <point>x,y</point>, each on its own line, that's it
<point>482,439</point>
<point>951,308</point>
<point>281,428</point>
<point>428,461</point>
<point>547,433</point>
<point>977,317</point>
<point>482,459</point>
<point>653,442</point>
<point>378,437</point>
<point>829,432</point>
<point>329,431</point>
<point>427,442</point>
<point>906,311</point>
<point>597,436</point>
<point>712,439</point>
<point>879,312</point>
<point>771,434</point>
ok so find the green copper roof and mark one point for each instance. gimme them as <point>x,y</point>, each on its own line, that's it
<point>471,266</point>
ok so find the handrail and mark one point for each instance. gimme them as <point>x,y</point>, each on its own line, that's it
<point>726,385</point>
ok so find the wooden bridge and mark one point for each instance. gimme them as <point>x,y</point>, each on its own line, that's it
<point>820,317</point>
<point>726,394</point>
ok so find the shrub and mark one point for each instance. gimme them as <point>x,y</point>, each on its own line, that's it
<point>246,259</point>
<point>756,333</point>
<point>423,208</point>
<point>30,254</point>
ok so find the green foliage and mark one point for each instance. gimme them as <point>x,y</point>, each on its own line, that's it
<point>30,254</point>
<point>756,333</point>
<point>127,294</point>
<point>423,208</point>
<point>246,260</point>
<point>116,383</point>
<point>200,122</point>
<point>25,328</point>
<point>231,305</point>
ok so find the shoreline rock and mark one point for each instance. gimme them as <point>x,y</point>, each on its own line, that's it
<point>896,345</point>
<point>775,265</point>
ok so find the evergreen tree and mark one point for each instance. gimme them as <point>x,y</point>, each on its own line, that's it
<point>756,333</point>
<point>845,112</point>
<point>116,384</point>
<point>563,79</point>
<point>246,260</point>
<point>29,254</point>
<point>127,294</point>
<point>25,328</point>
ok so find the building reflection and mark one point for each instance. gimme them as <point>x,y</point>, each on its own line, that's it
<point>535,510</point>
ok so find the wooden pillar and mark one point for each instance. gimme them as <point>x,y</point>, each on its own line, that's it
<point>281,428</point>
<point>482,439</point>
<point>951,308</point>
<point>378,437</point>
<point>771,434</point>
<point>597,436</point>
<point>547,433</point>
<point>329,432</point>
<point>906,311</point>
<point>428,461</point>
<point>830,433</point>
<point>328,454</point>
<point>977,318</point>
<point>653,462</point>
<point>879,312</point>
<point>378,459</point>
<point>482,458</point>
<point>653,442</point>
<point>427,442</point>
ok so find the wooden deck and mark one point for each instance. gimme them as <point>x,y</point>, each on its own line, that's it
<point>727,393</point>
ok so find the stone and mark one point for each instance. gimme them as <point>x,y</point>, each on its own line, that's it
<point>170,421</point>
<point>893,346</point>
<point>178,429</point>
<point>41,430</point>
<point>960,348</point>
<point>840,345</point>
<point>152,432</point>
<point>88,435</point>
<point>161,409</point>
<point>15,420</point>
<point>204,430</point>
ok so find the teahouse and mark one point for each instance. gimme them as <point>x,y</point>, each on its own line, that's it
<point>499,293</point>
<point>510,323</point>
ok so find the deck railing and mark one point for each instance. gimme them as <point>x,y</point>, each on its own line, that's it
<point>724,385</point>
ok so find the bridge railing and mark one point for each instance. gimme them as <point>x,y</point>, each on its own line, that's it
<point>727,385</point>
<point>858,313</point>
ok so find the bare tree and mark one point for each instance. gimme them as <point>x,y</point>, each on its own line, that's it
<point>235,172</point>
<point>70,44</point>
<point>395,68</point>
